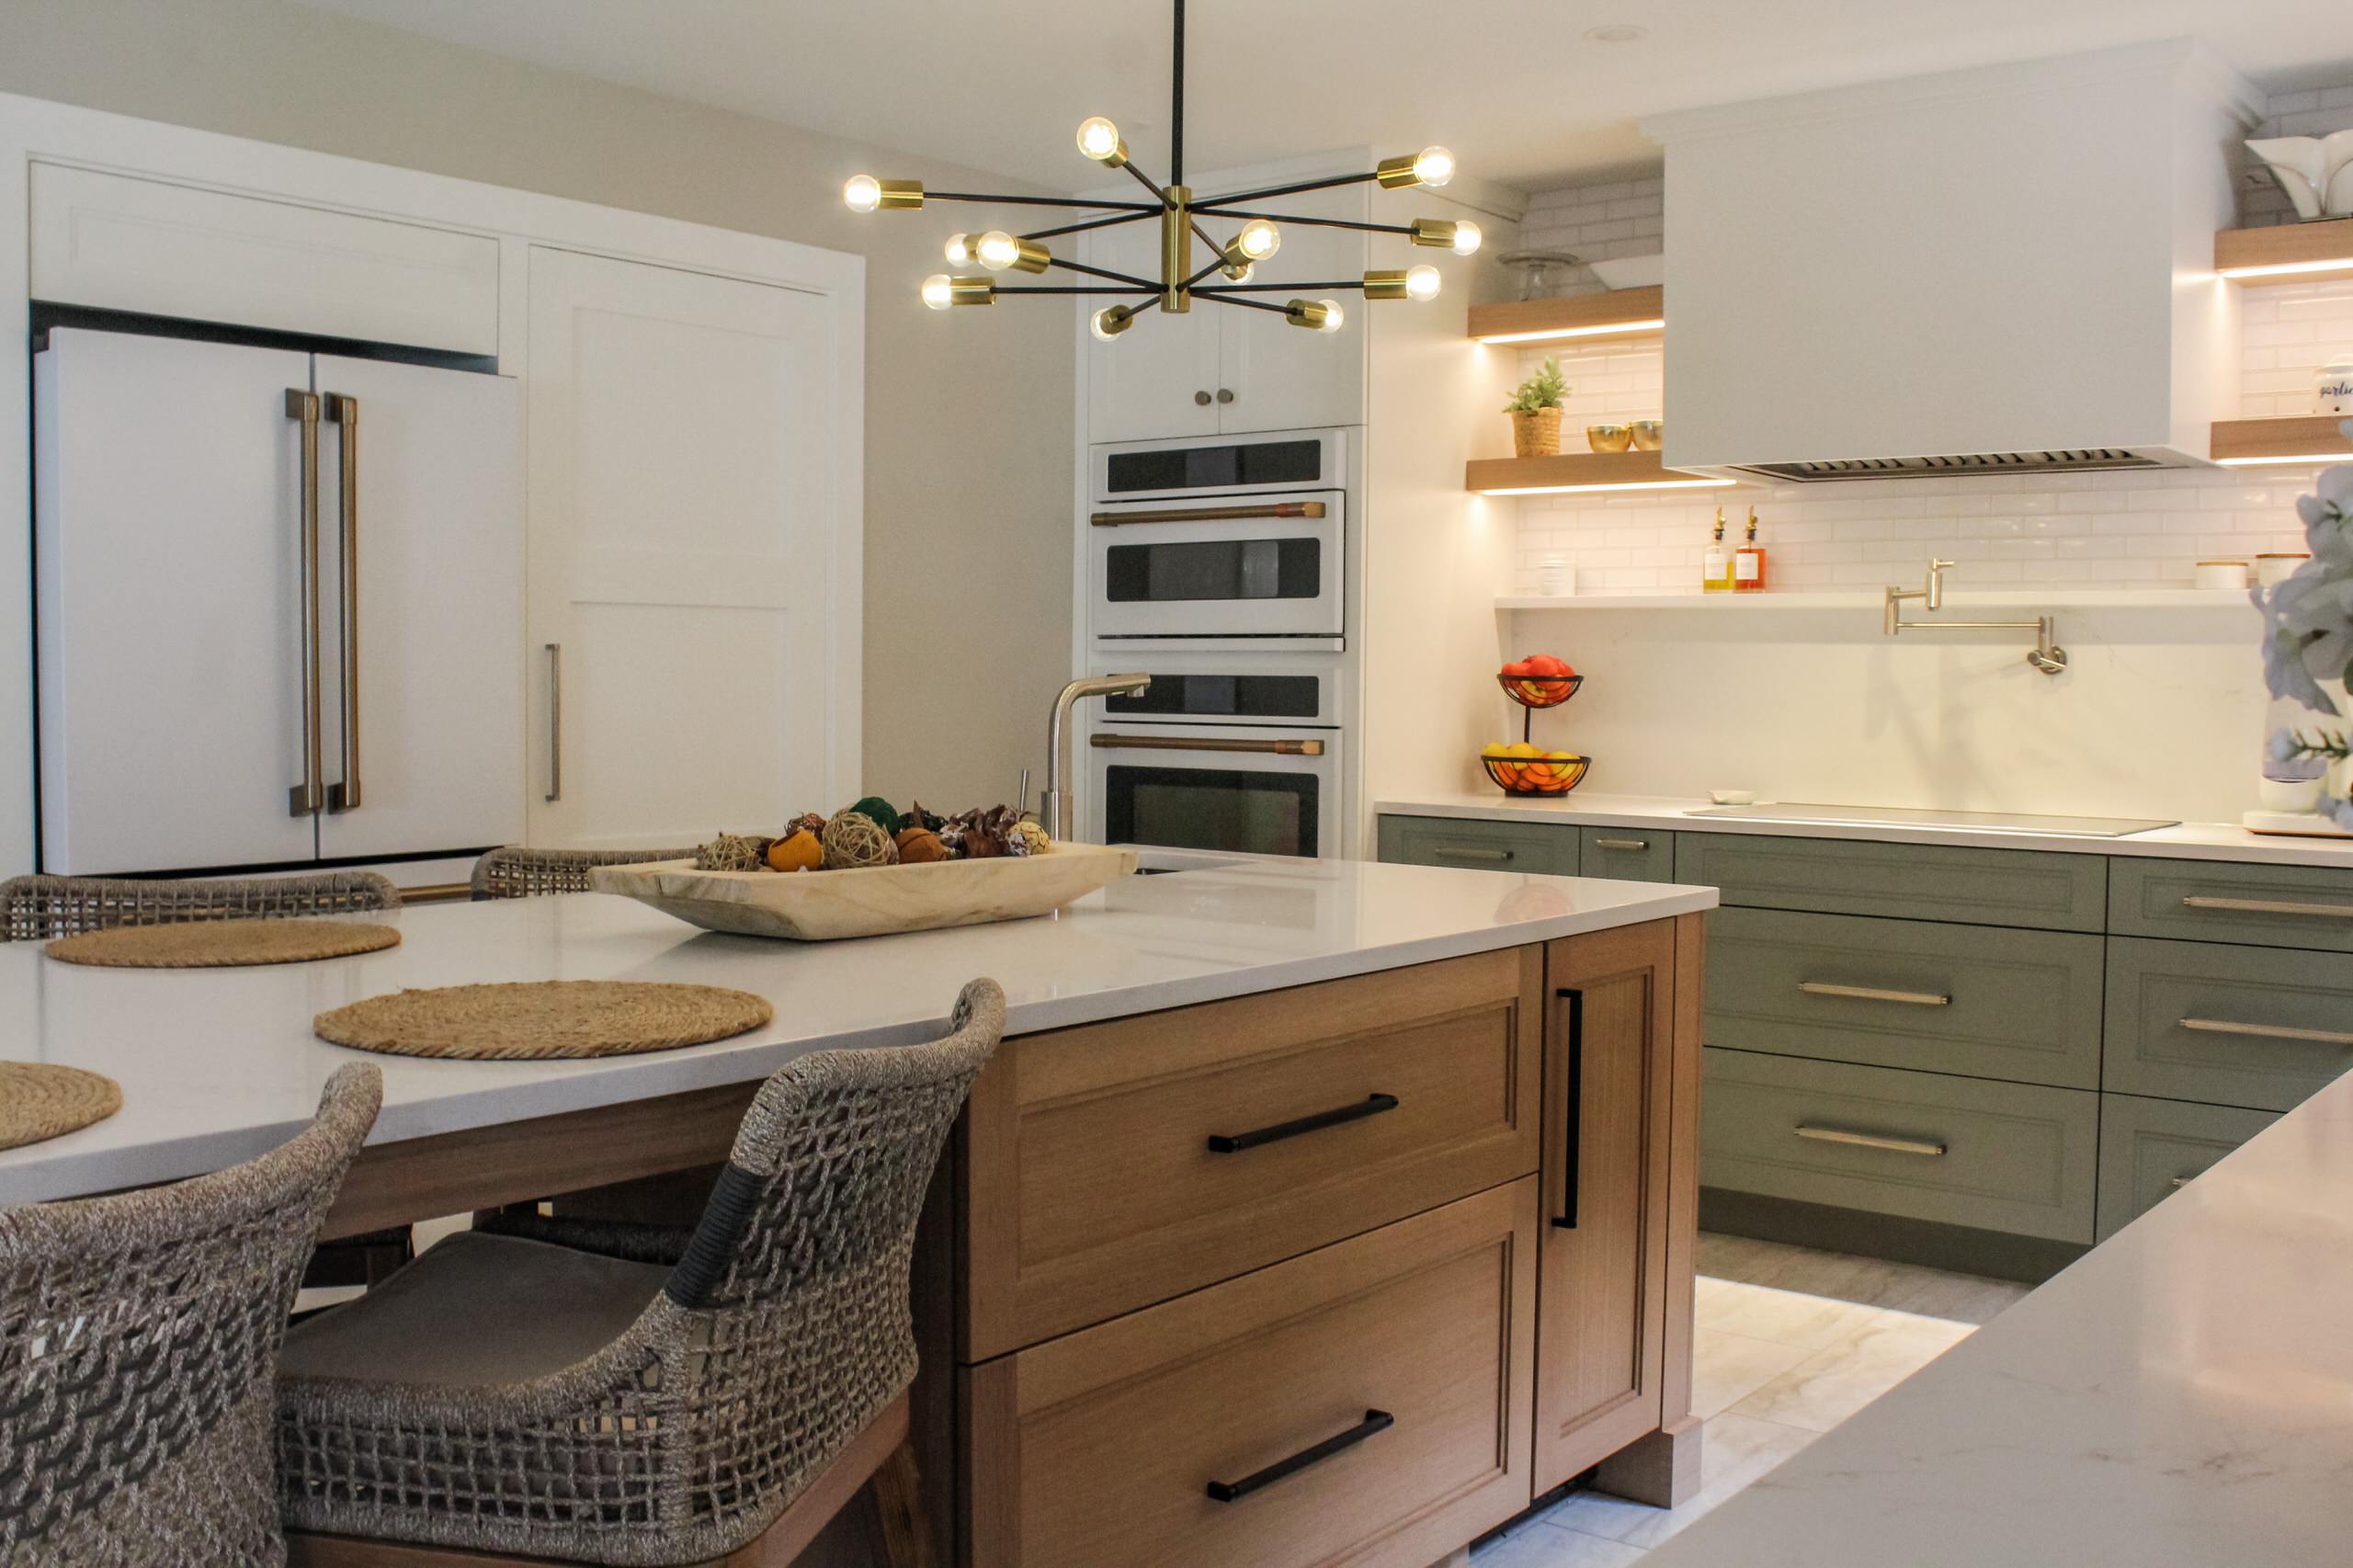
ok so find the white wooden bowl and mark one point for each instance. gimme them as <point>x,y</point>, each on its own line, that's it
<point>823,906</point>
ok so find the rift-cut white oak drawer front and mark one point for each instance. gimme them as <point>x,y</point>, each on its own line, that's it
<point>1116,1166</point>
<point>115,242</point>
<point>1367,1404</point>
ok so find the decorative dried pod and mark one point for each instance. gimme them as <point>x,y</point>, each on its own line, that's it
<point>811,822</point>
<point>796,851</point>
<point>917,817</point>
<point>1034,839</point>
<point>885,814</point>
<point>920,847</point>
<point>733,852</point>
<point>853,841</point>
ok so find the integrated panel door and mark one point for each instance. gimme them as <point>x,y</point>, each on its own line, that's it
<point>692,670</point>
<point>1281,377</point>
<point>169,562</point>
<point>1601,1267</point>
<point>421,498</point>
<point>1158,379</point>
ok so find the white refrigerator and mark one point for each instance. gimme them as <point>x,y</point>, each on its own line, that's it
<point>279,607</point>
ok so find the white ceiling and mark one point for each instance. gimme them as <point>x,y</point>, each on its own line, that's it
<point>1514,86</point>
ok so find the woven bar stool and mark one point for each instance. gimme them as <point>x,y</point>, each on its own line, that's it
<point>505,1400</point>
<point>139,1342</point>
<point>35,909</point>
<point>515,872</point>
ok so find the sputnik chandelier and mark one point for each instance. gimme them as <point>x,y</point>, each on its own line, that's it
<point>1182,219</point>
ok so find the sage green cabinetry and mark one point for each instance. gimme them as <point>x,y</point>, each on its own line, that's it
<point>2151,1149</point>
<point>2263,1027</point>
<point>2216,901</point>
<point>2044,889</point>
<point>1629,853</point>
<point>1547,848</point>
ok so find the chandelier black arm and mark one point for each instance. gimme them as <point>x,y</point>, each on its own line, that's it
<point>1125,278</point>
<point>1224,299</point>
<point>1216,202</point>
<point>1279,288</point>
<point>1058,289</point>
<point>1321,222</point>
<point>1204,272</point>
<point>1041,201</point>
<point>1111,221</point>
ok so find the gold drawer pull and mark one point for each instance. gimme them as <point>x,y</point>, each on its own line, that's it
<point>2179,1182</point>
<point>1871,1140</point>
<point>1622,844</point>
<point>2269,906</point>
<point>2267,1032</point>
<point>1446,852</point>
<point>1873,993</point>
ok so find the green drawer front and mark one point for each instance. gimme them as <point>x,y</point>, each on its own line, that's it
<point>1542,847</point>
<point>2020,1005</point>
<point>1911,881</point>
<point>2226,1026</point>
<point>1629,853</point>
<point>2016,1157</point>
<point>2213,900</point>
<point>2149,1148</point>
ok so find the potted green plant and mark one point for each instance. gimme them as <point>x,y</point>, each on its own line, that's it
<point>1535,412</point>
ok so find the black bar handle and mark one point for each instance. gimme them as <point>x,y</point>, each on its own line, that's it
<point>1220,1143</point>
<point>1573,1118</point>
<point>1235,1491</point>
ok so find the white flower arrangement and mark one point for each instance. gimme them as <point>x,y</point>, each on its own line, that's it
<point>2307,636</point>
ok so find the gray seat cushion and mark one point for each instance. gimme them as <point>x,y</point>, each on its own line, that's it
<point>477,1310</point>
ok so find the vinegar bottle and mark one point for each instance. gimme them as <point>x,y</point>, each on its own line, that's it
<point>1715,566</point>
<point>1748,562</point>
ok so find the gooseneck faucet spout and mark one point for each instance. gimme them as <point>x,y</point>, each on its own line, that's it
<point>1058,807</point>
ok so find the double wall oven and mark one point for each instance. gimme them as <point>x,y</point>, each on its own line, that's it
<point>1223,569</point>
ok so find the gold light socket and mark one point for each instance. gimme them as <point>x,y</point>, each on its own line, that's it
<point>1119,158</point>
<point>1034,257</point>
<point>1314,313</point>
<point>1397,172</point>
<point>900,196</point>
<point>976,291</point>
<point>1386,284</point>
<point>1434,232</point>
<point>1237,266</point>
<point>1177,251</point>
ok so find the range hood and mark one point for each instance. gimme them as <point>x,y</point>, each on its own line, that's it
<point>2000,270</point>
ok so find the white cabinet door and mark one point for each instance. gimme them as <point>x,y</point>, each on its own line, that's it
<point>431,664</point>
<point>1159,378</point>
<point>1284,376</point>
<point>683,533</point>
<point>168,560</point>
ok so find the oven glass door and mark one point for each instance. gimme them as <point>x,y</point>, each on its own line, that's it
<point>1244,791</point>
<point>1305,460</point>
<point>1196,570</point>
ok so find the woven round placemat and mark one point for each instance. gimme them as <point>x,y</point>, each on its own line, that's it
<point>541,1019</point>
<point>214,944</point>
<point>41,1100</point>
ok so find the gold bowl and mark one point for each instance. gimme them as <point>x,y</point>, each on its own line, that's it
<point>1608,437</point>
<point>1649,435</point>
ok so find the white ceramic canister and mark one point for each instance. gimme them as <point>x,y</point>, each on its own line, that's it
<point>2220,575</point>
<point>2333,388</point>
<point>2275,567</point>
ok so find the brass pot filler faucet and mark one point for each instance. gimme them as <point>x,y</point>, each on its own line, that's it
<point>2045,655</point>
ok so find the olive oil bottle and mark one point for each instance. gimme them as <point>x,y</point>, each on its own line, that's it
<point>1715,566</point>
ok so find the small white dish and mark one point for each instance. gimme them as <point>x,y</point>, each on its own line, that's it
<point>1732,797</point>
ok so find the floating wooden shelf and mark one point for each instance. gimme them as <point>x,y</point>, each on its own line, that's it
<point>2305,438</point>
<point>1580,471</point>
<point>2043,599</point>
<point>2283,253</point>
<point>1619,312</point>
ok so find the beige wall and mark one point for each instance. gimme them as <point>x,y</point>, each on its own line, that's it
<point>968,415</point>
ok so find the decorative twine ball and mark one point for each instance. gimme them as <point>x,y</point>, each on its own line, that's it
<point>732,852</point>
<point>853,840</point>
<point>884,814</point>
<point>1033,836</point>
<point>920,847</point>
<point>797,851</point>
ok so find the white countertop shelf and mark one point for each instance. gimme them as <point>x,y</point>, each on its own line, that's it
<point>2045,599</point>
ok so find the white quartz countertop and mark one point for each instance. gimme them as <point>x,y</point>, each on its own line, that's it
<point>2180,1398</point>
<point>218,1065</point>
<point>2188,841</point>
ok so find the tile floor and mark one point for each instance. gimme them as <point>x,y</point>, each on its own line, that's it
<point>1789,1343</point>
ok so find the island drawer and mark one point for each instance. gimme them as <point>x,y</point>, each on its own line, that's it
<point>1115,1166</point>
<point>1368,1402</point>
<point>2013,1157</point>
<point>1546,848</point>
<point>2148,1149</point>
<point>1629,853</point>
<point>2043,888</point>
<point>1978,1000</point>
<point>2216,901</point>
<point>2253,1027</point>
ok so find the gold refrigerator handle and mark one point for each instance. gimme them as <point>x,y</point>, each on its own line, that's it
<point>343,411</point>
<point>306,797</point>
<point>1171,742</point>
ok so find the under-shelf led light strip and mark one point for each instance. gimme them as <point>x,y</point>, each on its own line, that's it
<point>1617,485</point>
<point>2287,269</point>
<point>1608,329</point>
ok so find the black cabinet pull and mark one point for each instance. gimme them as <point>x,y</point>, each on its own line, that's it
<point>1572,1116</point>
<point>1373,1106</point>
<point>1235,1491</point>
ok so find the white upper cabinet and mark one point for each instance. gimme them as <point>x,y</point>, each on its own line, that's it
<point>1160,377</point>
<point>114,243</point>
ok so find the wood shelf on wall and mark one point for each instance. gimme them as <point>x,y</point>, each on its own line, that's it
<point>1580,471</point>
<point>2300,437</point>
<point>2285,253</point>
<point>1616,312</point>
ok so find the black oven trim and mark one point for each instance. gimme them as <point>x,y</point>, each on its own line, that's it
<point>1118,801</point>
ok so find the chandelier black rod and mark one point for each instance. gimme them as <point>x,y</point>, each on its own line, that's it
<point>1218,202</point>
<point>1204,272</point>
<point>1058,289</point>
<point>1042,202</point>
<point>1319,222</point>
<point>1176,105</point>
<point>1224,299</point>
<point>1111,221</point>
<point>1281,288</point>
<point>1103,272</point>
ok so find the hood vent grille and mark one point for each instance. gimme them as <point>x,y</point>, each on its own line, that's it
<point>2083,459</point>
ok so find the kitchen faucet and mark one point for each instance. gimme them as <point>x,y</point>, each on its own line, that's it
<point>1058,807</point>
<point>2045,655</point>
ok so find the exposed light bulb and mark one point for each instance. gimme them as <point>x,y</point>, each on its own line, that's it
<point>1467,238</point>
<point>1097,138</point>
<point>1259,239</point>
<point>862,193</point>
<point>1111,321</point>
<point>1333,316</point>
<point>938,291</point>
<point>960,250</point>
<point>1422,282</point>
<point>996,250</point>
<point>1434,166</point>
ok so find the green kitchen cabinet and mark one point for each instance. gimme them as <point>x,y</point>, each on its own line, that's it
<point>2043,888</point>
<point>2217,901</point>
<point>1547,848</point>
<point>1629,853</point>
<point>2151,1149</point>
<point>2262,1028</point>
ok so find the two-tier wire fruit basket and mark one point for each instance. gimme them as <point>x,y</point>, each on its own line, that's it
<point>1525,770</point>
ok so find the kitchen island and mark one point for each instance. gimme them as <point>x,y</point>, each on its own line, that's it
<point>1273,1148</point>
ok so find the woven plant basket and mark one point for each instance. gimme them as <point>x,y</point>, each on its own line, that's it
<point>1537,435</point>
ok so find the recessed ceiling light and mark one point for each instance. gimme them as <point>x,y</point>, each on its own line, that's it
<point>1618,32</point>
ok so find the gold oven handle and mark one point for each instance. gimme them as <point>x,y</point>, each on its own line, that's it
<point>1271,511</point>
<point>1171,742</point>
